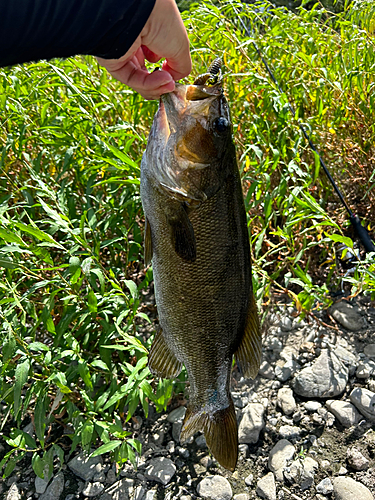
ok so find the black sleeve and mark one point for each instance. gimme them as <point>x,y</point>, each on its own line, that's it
<point>42,29</point>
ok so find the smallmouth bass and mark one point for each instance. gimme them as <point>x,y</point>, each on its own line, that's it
<point>197,238</point>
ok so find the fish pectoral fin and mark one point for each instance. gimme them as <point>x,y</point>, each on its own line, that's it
<point>220,431</point>
<point>161,361</point>
<point>148,243</point>
<point>249,353</point>
<point>182,235</point>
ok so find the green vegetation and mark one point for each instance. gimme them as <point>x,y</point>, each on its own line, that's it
<point>74,342</point>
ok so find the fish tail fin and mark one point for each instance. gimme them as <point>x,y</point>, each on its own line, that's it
<point>220,431</point>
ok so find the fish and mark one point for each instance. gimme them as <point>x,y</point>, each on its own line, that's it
<point>197,238</point>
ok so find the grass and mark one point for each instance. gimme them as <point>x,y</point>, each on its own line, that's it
<point>73,328</point>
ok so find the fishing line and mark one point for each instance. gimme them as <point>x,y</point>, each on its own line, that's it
<point>354,219</point>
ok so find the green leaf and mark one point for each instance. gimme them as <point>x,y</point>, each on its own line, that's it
<point>38,465</point>
<point>105,448</point>
<point>338,238</point>
<point>92,302</point>
<point>40,418</point>
<point>132,288</point>
<point>86,434</point>
<point>9,347</point>
<point>21,376</point>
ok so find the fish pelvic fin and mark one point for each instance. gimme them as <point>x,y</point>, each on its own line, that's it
<point>249,353</point>
<point>148,243</point>
<point>161,361</point>
<point>220,431</point>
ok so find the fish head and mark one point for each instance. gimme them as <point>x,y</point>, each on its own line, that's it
<point>191,141</point>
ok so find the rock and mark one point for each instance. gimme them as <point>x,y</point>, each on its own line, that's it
<point>13,493</point>
<point>283,373</point>
<point>139,493</point>
<point>369,350</point>
<point>347,358</point>
<point>345,488</point>
<point>111,477</point>
<point>266,487</point>
<point>325,487</point>
<point>286,323</point>
<point>312,406</point>
<point>93,489</point>
<point>55,489</point>
<point>326,377</point>
<point>201,442</point>
<point>342,471</point>
<point>279,456</point>
<point>249,480</point>
<point>266,370</point>
<point>176,431</point>
<point>302,472</point>
<point>177,415</point>
<point>286,401</point>
<point>121,490</point>
<point>347,316</point>
<point>160,469</point>
<point>243,450</point>
<point>241,496</point>
<point>41,484</point>
<point>83,466</point>
<point>215,488</point>
<point>346,413</point>
<point>289,432</point>
<point>364,400</point>
<point>365,369</point>
<point>151,494</point>
<point>251,424</point>
<point>356,460</point>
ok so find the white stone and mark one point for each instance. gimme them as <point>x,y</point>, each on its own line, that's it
<point>215,488</point>
<point>160,469</point>
<point>356,460</point>
<point>266,487</point>
<point>326,377</point>
<point>251,424</point>
<point>177,415</point>
<point>345,488</point>
<point>13,493</point>
<point>279,456</point>
<point>266,370</point>
<point>345,314</point>
<point>241,496</point>
<point>312,405</point>
<point>121,490</point>
<point>347,358</point>
<point>364,400</point>
<point>92,489</point>
<point>83,466</point>
<point>325,487</point>
<point>55,489</point>
<point>286,401</point>
<point>289,432</point>
<point>346,413</point>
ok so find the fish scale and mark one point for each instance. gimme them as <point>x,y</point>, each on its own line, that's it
<point>197,237</point>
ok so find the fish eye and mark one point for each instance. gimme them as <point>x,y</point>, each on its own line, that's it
<point>221,124</point>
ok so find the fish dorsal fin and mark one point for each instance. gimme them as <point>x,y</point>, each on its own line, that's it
<point>161,360</point>
<point>182,234</point>
<point>249,353</point>
<point>148,243</point>
<point>220,431</point>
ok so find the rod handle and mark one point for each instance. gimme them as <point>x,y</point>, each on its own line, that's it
<point>362,233</point>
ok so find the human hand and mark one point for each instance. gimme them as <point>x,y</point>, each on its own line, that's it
<point>163,36</point>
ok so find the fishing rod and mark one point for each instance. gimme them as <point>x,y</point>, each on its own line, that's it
<point>354,219</point>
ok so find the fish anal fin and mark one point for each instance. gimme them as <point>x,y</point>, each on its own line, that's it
<point>182,234</point>
<point>148,243</point>
<point>161,361</point>
<point>249,352</point>
<point>220,431</point>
